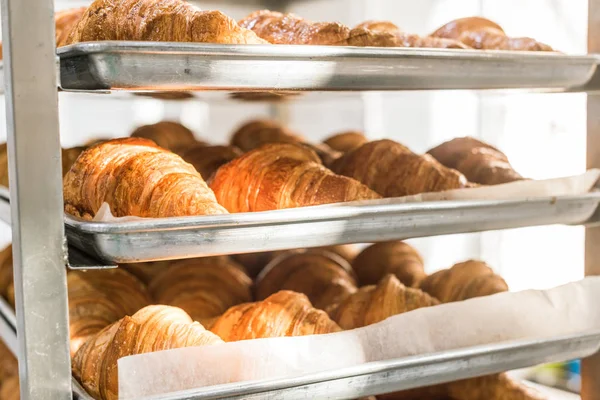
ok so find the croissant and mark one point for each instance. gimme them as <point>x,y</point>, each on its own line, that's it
<point>396,258</point>
<point>136,177</point>
<point>278,28</point>
<point>8,364</point>
<point>478,161</point>
<point>146,271</point>
<point>153,328</point>
<point>203,287</point>
<point>208,159</point>
<point>324,277</point>
<point>481,33</point>
<point>167,134</point>
<point>347,251</point>
<point>284,313</point>
<point>346,141</point>
<point>278,176</point>
<point>164,21</point>
<point>374,303</point>
<point>463,281</point>
<point>6,274</point>
<point>255,262</point>
<point>9,389</point>
<point>97,298</point>
<point>392,170</point>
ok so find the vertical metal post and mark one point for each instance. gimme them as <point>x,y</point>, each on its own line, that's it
<point>36,198</point>
<point>590,374</point>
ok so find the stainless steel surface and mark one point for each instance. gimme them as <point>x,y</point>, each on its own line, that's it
<point>170,238</point>
<point>194,66</point>
<point>35,170</point>
<point>406,373</point>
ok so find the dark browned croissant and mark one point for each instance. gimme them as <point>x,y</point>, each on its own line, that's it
<point>164,21</point>
<point>167,134</point>
<point>208,159</point>
<point>284,313</point>
<point>153,328</point>
<point>346,141</point>
<point>392,170</point>
<point>463,281</point>
<point>203,287</point>
<point>396,258</point>
<point>324,277</point>
<point>478,161</point>
<point>136,177</point>
<point>97,298</point>
<point>278,176</point>
<point>481,33</point>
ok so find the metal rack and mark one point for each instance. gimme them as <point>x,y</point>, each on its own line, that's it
<point>39,243</point>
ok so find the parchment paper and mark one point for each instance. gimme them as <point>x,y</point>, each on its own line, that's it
<point>564,310</point>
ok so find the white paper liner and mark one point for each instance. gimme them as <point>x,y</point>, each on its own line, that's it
<point>531,314</point>
<point>521,190</point>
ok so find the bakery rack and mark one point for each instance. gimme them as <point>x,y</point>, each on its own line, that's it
<point>31,74</point>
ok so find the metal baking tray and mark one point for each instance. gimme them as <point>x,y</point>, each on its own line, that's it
<point>152,66</point>
<point>406,373</point>
<point>363,222</point>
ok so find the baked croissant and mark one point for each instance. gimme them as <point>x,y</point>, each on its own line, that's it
<point>278,28</point>
<point>136,177</point>
<point>164,21</point>
<point>146,271</point>
<point>97,298</point>
<point>278,176</point>
<point>208,159</point>
<point>346,141</point>
<point>284,313</point>
<point>6,274</point>
<point>153,328</point>
<point>203,287</point>
<point>463,281</point>
<point>9,389</point>
<point>374,303</point>
<point>324,277</point>
<point>8,364</point>
<point>396,258</point>
<point>481,33</point>
<point>167,134</point>
<point>478,161</point>
<point>392,170</point>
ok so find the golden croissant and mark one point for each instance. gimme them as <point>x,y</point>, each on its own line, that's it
<point>6,274</point>
<point>278,176</point>
<point>208,159</point>
<point>481,33</point>
<point>396,258</point>
<point>135,177</point>
<point>284,313</point>
<point>153,328</point>
<point>392,170</point>
<point>203,287</point>
<point>478,161</point>
<point>463,281</point>
<point>97,298</point>
<point>167,134</point>
<point>164,21</point>
<point>324,277</point>
<point>8,364</point>
<point>346,141</point>
<point>9,389</point>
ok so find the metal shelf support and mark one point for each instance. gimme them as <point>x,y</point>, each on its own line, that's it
<point>36,195</point>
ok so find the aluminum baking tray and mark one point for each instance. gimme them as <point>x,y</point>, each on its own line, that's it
<point>371,221</point>
<point>151,66</point>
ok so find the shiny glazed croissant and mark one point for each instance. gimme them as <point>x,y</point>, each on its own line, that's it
<point>153,328</point>
<point>478,161</point>
<point>346,141</point>
<point>392,170</point>
<point>203,287</point>
<point>167,134</point>
<point>136,177</point>
<point>481,33</point>
<point>324,277</point>
<point>284,313</point>
<point>208,159</point>
<point>463,281</point>
<point>164,21</point>
<point>97,298</point>
<point>396,258</point>
<point>278,176</point>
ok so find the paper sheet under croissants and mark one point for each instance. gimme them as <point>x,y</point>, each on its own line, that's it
<point>564,310</point>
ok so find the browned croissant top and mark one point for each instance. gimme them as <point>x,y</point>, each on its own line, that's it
<point>151,20</point>
<point>65,21</point>
<point>208,159</point>
<point>136,177</point>
<point>167,134</point>
<point>278,176</point>
<point>256,133</point>
<point>346,141</point>
<point>8,363</point>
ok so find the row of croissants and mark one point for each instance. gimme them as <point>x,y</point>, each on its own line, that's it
<point>163,171</point>
<point>179,21</point>
<point>148,307</point>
